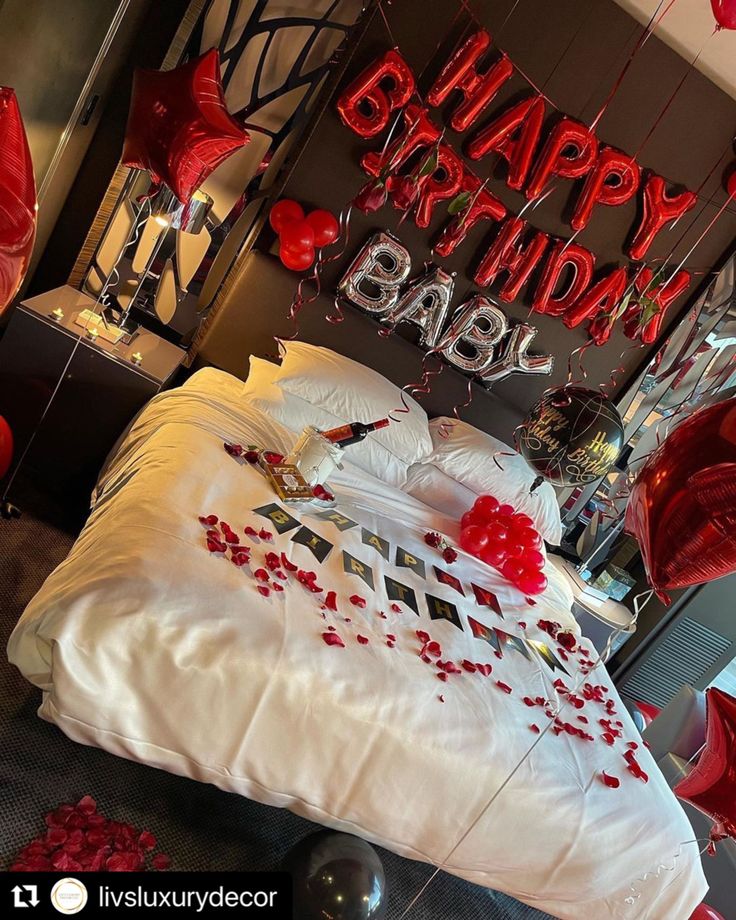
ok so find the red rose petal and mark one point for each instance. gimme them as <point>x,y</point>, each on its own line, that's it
<point>265,534</point>
<point>469,666</point>
<point>608,738</point>
<point>161,861</point>
<point>357,601</point>
<point>535,729</point>
<point>528,701</point>
<point>433,648</point>
<point>502,686</point>
<point>391,637</point>
<point>441,675</point>
<point>485,669</point>
<point>87,805</point>
<point>216,546</point>
<point>273,561</point>
<point>261,575</point>
<point>250,531</point>
<point>63,862</point>
<point>441,698</point>
<point>422,636</point>
<point>147,841</point>
<point>209,520</point>
<point>611,781</point>
<point>287,563</point>
<point>390,644</point>
<point>363,640</point>
<point>262,589</point>
<point>332,638</point>
<point>331,600</point>
<point>395,608</point>
<point>275,586</point>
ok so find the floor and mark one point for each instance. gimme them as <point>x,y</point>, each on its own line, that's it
<point>201,827</point>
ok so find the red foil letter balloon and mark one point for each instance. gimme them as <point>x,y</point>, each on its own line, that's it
<point>179,128</point>
<point>17,199</point>
<point>682,507</point>
<point>711,786</point>
<point>366,106</point>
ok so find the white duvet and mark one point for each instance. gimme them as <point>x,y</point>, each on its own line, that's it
<point>147,645</point>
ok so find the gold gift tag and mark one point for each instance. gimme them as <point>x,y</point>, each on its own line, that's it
<point>288,483</point>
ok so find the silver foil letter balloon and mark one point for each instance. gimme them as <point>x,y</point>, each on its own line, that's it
<point>373,280</point>
<point>477,327</point>
<point>425,304</point>
<point>515,359</point>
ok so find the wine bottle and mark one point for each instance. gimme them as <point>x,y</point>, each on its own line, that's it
<point>349,434</point>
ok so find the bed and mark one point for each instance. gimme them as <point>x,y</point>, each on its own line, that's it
<point>148,645</point>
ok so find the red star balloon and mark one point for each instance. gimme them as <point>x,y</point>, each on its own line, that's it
<point>682,507</point>
<point>17,199</point>
<point>711,786</point>
<point>179,128</point>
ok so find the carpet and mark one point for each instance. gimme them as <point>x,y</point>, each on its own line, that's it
<point>199,826</point>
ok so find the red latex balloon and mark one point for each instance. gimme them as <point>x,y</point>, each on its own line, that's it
<point>366,105</point>
<point>297,261</point>
<point>494,554</point>
<point>570,152</point>
<point>704,912</point>
<point>530,538</point>
<point>711,785</point>
<point>469,518</point>
<point>179,128</point>
<point>17,199</point>
<point>523,520</point>
<point>514,135</point>
<point>613,181</point>
<point>6,447</point>
<point>285,212</point>
<point>296,236</point>
<point>532,583</point>
<point>658,209</point>
<point>486,506</point>
<point>533,559</point>
<point>506,510</point>
<point>325,226</point>
<point>513,569</point>
<point>473,539</point>
<point>497,532</point>
<point>562,256</point>
<point>731,183</point>
<point>725,13</point>
<point>682,506</point>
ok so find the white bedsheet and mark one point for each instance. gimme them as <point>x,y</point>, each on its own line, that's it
<point>145,644</point>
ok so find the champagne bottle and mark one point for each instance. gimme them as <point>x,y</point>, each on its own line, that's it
<point>349,434</point>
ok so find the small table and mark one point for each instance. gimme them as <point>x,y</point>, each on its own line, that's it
<point>99,392</point>
<point>597,615</point>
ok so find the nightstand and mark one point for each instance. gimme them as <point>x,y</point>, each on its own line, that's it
<point>101,391</point>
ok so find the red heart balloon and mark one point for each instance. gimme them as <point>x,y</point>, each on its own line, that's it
<point>682,507</point>
<point>711,785</point>
<point>179,128</point>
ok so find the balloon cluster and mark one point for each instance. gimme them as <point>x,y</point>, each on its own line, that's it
<point>507,540</point>
<point>298,235</point>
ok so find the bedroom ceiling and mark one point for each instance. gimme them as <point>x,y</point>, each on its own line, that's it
<point>688,26</point>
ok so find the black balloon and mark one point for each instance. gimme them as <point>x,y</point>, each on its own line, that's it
<point>336,877</point>
<point>572,436</point>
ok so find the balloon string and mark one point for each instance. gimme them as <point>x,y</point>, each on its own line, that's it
<point>662,867</point>
<point>640,601</point>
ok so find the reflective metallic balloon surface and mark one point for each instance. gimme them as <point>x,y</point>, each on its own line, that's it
<point>336,877</point>
<point>572,436</point>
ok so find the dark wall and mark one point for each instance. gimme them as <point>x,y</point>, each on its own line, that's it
<point>573,52</point>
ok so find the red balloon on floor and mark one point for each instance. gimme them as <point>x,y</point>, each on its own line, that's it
<point>179,128</point>
<point>6,447</point>
<point>711,785</point>
<point>704,912</point>
<point>17,199</point>
<point>682,505</point>
<point>285,212</point>
<point>297,261</point>
<point>325,226</point>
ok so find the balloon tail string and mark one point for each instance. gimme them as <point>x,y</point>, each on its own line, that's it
<point>661,868</point>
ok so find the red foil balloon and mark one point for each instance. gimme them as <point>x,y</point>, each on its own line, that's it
<point>366,105</point>
<point>450,170</point>
<point>6,447</point>
<point>682,506</point>
<point>569,152</point>
<point>658,209</point>
<point>483,205</point>
<point>513,136</point>
<point>461,74</point>
<point>17,200</point>
<point>509,254</point>
<point>636,326</point>
<point>613,181</point>
<point>179,128</point>
<point>725,13</point>
<point>563,256</point>
<point>711,785</point>
<point>417,133</point>
<point>603,297</point>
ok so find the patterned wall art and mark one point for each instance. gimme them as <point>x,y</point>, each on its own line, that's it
<point>275,60</point>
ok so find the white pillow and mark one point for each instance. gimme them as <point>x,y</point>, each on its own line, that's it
<point>487,466</point>
<point>432,487</point>
<point>355,393</point>
<point>295,414</point>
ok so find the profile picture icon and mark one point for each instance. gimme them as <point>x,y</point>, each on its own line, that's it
<point>69,896</point>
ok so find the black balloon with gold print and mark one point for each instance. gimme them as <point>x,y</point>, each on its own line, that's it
<point>572,436</point>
